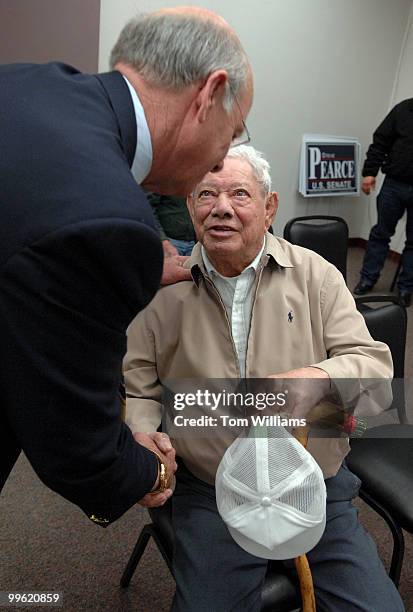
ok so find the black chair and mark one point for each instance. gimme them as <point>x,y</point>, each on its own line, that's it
<point>326,235</point>
<point>383,457</point>
<point>281,590</point>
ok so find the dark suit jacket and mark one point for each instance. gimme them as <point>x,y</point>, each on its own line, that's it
<point>79,257</point>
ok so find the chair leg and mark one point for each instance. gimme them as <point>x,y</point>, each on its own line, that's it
<point>396,274</point>
<point>164,550</point>
<point>397,533</point>
<point>136,555</point>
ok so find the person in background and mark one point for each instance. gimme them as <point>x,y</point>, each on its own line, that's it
<point>79,250</point>
<point>392,152</point>
<point>174,224</point>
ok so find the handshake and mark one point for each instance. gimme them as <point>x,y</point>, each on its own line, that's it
<point>160,444</point>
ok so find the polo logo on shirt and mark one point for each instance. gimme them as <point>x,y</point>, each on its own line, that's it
<point>290,316</point>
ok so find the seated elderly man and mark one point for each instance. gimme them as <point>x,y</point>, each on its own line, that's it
<point>256,306</point>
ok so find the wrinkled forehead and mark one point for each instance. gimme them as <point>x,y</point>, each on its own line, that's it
<point>235,172</point>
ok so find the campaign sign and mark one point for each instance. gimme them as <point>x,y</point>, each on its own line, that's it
<point>331,168</point>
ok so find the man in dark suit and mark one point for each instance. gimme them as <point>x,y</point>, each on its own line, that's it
<point>80,255</point>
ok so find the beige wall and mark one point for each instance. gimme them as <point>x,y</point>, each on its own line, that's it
<point>45,30</point>
<point>321,66</point>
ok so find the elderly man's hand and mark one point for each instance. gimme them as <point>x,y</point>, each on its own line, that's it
<point>173,270</point>
<point>306,388</point>
<point>161,444</point>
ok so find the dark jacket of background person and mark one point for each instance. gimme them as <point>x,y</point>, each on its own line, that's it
<point>392,146</point>
<point>172,217</point>
<point>80,256</point>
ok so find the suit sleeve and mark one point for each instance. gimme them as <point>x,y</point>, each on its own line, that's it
<point>66,302</point>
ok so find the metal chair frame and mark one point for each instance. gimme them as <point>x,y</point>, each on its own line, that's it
<point>148,531</point>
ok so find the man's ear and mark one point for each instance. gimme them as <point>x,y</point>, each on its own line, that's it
<point>211,92</point>
<point>271,206</point>
<point>190,203</point>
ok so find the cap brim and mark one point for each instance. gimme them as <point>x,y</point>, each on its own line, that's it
<point>299,545</point>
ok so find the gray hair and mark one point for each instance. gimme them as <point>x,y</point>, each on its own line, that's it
<point>257,161</point>
<point>175,50</point>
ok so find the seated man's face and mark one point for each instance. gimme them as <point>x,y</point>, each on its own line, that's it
<point>231,214</point>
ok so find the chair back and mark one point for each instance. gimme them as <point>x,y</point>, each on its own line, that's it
<point>388,323</point>
<point>326,235</point>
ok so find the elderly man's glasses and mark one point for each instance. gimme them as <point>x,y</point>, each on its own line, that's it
<point>244,137</point>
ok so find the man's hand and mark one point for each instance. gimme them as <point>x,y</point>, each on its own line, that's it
<point>306,388</point>
<point>368,184</point>
<point>173,270</point>
<point>161,444</point>
<point>169,250</point>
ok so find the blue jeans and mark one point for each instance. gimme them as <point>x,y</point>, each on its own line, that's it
<point>213,573</point>
<point>394,198</point>
<point>184,246</point>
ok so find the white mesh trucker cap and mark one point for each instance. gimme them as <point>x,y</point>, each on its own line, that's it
<point>271,494</point>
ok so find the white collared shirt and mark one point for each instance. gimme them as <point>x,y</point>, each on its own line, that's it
<point>237,295</point>
<point>142,162</point>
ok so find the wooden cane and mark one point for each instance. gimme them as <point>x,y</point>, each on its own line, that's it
<point>301,562</point>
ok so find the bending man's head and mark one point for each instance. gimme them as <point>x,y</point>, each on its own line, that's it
<point>233,208</point>
<point>174,48</point>
<point>195,82</point>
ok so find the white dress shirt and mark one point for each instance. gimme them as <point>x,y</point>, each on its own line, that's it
<point>142,162</point>
<point>237,295</point>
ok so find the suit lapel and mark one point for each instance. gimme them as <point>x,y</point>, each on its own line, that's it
<point>117,90</point>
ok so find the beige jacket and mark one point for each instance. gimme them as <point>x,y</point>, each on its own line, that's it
<point>185,333</point>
